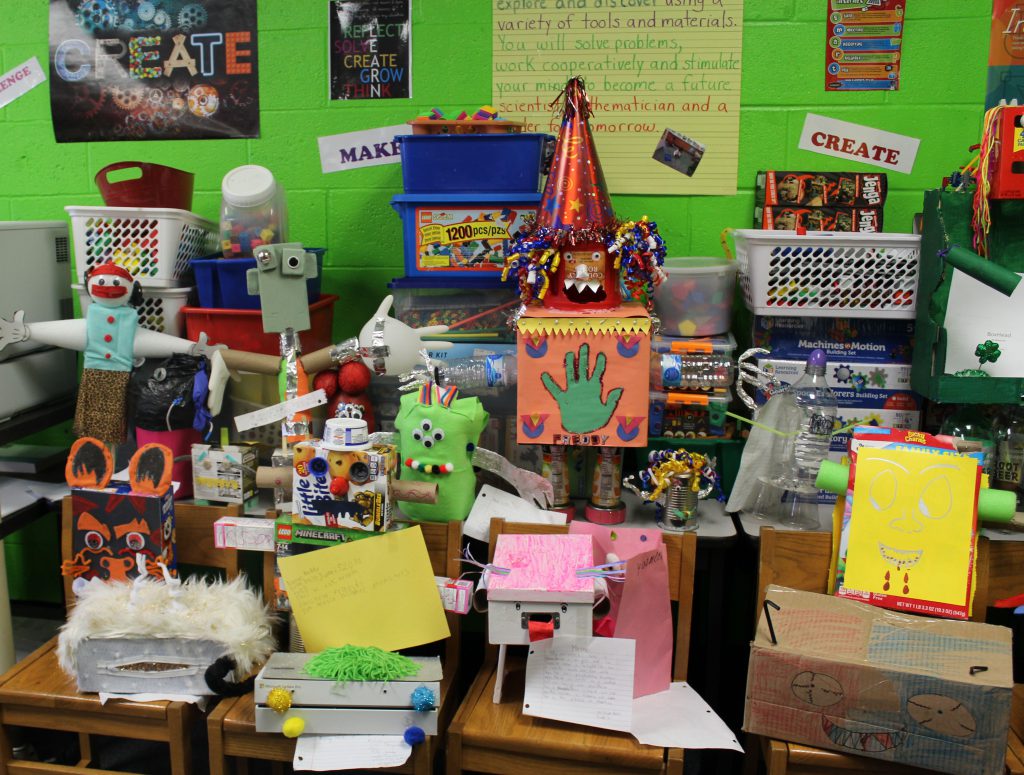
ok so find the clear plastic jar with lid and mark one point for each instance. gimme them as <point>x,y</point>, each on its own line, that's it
<point>253,211</point>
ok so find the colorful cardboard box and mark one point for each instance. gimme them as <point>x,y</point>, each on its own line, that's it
<point>584,376</point>
<point>224,474</point>
<point>366,505</point>
<point>114,529</point>
<point>861,680</point>
<point>842,339</point>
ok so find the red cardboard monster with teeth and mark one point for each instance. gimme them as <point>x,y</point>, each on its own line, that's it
<point>586,281</point>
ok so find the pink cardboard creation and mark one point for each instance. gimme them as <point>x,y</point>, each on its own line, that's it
<point>567,394</point>
<point>542,568</point>
<point>623,542</point>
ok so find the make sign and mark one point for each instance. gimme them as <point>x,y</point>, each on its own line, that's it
<point>855,142</point>
<point>368,148</point>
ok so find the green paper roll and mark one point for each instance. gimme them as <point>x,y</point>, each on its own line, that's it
<point>983,270</point>
<point>833,477</point>
<point>993,505</point>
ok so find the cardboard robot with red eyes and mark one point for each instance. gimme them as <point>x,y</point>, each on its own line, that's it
<point>586,281</point>
<point>111,339</point>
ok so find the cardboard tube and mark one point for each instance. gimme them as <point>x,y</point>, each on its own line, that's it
<point>983,270</point>
<point>256,363</point>
<point>268,477</point>
<point>317,361</point>
<point>414,492</point>
<point>993,505</point>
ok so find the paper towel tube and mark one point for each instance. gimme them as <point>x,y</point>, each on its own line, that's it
<point>274,476</point>
<point>255,363</point>
<point>414,492</point>
<point>993,505</point>
<point>983,270</point>
<point>318,361</point>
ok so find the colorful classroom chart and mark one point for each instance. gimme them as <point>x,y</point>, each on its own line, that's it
<point>863,45</point>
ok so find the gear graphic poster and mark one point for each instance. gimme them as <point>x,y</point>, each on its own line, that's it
<point>371,49</point>
<point>153,69</point>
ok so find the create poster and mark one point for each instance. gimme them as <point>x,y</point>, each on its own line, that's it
<point>153,69</point>
<point>370,49</point>
<point>653,66</point>
<point>1006,53</point>
<point>863,45</point>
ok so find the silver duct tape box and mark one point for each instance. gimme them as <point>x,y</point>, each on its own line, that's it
<point>349,721</point>
<point>133,665</point>
<point>284,671</point>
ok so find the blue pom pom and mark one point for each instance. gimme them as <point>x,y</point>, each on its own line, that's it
<point>414,736</point>
<point>423,699</point>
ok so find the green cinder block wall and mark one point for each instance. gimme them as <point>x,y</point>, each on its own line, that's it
<point>940,101</point>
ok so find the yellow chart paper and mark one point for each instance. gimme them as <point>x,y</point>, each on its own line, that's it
<point>653,66</point>
<point>378,591</point>
<point>912,527</point>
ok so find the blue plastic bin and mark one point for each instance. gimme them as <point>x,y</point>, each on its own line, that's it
<point>221,284</point>
<point>486,164</point>
<point>461,234</point>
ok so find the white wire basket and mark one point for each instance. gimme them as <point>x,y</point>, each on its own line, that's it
<point>829,274</point>
<point>160,309</point>
<point>154,244</point>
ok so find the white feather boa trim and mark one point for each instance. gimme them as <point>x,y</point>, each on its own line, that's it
<point>226,612</point>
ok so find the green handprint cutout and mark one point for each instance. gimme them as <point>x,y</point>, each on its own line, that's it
<point>580,403</point>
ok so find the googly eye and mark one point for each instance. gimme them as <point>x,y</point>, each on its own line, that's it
<point>116,283</point>
<point>568,257</point>
<point>101,281</point>
<point>438,435</point>
<point>293,262</point>
<point>597,255</point>
<point>94,540</point>
<point>416,434</point>
<point>135,541</point>
<point>428,443</point>
<point>426,425</point>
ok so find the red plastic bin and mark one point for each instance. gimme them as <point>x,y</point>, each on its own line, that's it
<point>242,329</point>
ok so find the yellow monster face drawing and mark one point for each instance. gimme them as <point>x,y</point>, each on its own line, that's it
<point>912,522</point>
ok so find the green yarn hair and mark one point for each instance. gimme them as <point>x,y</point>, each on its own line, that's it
<point>361,663</point>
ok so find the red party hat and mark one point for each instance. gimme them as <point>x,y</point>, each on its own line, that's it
<point>576,195</point>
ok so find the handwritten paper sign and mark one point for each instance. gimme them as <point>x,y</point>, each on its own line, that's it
<point>352,150</point>
<point>649,65</point>
<point>349,752</point>
<point>585,681</point>
<point>278,412</point>
<point>378,591</point>
<point>855,142</point>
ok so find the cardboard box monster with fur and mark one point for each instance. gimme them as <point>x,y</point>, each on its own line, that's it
<point>156,636</point>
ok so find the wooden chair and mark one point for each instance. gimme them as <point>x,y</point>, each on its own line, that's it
<point>37,693</point>
<point>498,738</point>
<point>800,560</point>
<point>232,724</point>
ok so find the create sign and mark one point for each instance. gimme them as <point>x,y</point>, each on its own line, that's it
<point>855,142</point>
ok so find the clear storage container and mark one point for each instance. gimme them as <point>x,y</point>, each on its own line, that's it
<point>253,211</point>
<point>696,299</point>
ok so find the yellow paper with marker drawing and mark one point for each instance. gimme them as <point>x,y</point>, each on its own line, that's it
<point>912,531</point>
<point>379,591</point>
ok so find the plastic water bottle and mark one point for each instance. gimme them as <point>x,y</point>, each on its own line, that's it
<point>817,405</point>
<point>805,415</point>
<point>481,372</point>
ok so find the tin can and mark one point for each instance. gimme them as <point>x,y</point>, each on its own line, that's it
<point>556,471</point>
<point>606,485</point>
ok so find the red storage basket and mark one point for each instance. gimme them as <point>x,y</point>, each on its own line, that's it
<point>242,329</point>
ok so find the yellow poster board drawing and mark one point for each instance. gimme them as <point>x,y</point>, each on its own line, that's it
<point>379,591</point>
<point>912,531</point>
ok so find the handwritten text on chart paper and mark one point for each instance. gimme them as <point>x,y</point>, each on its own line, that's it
<point>649,65</point>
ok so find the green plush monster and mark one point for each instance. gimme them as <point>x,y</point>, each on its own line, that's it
<point>438,434</point>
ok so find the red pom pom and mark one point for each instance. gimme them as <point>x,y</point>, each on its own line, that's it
<point>326,381</point>
<point>353,377</point>
<point>339,486</point>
